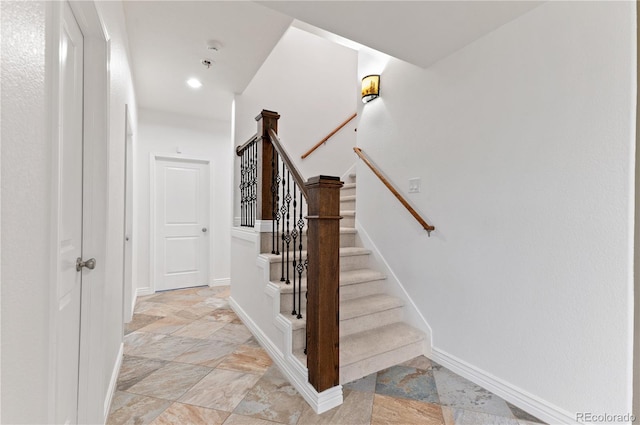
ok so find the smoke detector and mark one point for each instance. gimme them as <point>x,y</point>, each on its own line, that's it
<point>214,46</point>
<point>207,62</point>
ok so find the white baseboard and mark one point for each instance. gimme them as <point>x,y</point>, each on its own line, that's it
<point>141,292</point>
<point>412,314</point>
<point>514,395</point>
<point>114,380</point>
<point>221,282</point>
<point>291,368</point>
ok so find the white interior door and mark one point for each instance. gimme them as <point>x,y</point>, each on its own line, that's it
<point>69,225</point>
<point>127,277</point>
<point>182,223</point>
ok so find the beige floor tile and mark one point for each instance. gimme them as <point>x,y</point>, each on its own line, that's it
<point>199,329</point>
<point>355,410</point>
<point>273,398</point>
<point>246,420</point>
<point>207,353</point>
<point>156,309</point>
<point>183,414</point>
<point>134,409</point>
<point>420,362</point>
<point>247,359</point>
<point>139,321</point>
<point>225,315</point>
<point>166,348</point>
<point>171,381</point>
<point>221,390</point>
<point>469,417</point>
<point>232,333</point>
<point>390,410</point>
<point>166,325</point>
<point>135,369</point>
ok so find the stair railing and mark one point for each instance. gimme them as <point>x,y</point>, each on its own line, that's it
<point>328,136</point>
<point>281,196</point>
<point>429,228</point>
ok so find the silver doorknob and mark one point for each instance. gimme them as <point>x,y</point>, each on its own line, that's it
<point>204,230</point>
<point>90,264</point>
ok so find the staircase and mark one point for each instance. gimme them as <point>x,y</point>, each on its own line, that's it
<point>372,333</point>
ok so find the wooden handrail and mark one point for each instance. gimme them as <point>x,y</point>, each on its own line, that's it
<point>429,228</point>
<point>243,146</point>
<point>275,141</point>
<point>338,128</point>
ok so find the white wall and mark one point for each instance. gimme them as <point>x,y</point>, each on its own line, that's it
<point>121,94</point>
<point>163,133</point>
<point>26,202</point>
<point>312,83</point>
<point>28,31</point>
<point>523,141</point>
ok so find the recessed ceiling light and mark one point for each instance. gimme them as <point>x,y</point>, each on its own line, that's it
<point>194,83</point>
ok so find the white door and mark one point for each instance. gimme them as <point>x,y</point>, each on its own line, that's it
<point>182,223</point>
<point>127,277</point>
<point>69,226</point>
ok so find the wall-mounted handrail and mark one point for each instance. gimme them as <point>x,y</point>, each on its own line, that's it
<point>277,144</point>
<point>330,135</point>
<point>429,228</point>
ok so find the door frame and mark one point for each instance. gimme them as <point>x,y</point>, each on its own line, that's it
<point>154,157</point>
<point>95,173</point>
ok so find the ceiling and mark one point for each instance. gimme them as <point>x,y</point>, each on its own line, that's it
<point>168,39</point>
<point>418,32</point>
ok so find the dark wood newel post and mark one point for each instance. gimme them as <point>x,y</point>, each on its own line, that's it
<point>323,284</point>
<point>264,201</point>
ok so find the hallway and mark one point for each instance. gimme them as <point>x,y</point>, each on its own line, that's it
<point>188,359</point>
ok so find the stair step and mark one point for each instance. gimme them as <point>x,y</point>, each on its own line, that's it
<point>348,189</point>
<point>371,351</point>
<point>347,238</point>
<point>351,258</point>
<point>348,202</point>
<point>356,315</point>
<point>365,313</point>
<point>348,218</point>
<point>364,306</point>
<point>353,284</point>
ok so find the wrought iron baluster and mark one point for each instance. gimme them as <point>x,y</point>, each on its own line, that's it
<point>287,235</point>
<point>294,237</point>
<point>243,173</point>
<point>306,295</point>
<point>254,181</point>
<point>249,179</point>
<point>274,190</point>
<point>276,207</point>
<point>300,268</point>
<point>283,212</point>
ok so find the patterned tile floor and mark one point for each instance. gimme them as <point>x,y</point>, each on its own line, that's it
<point>188,359</point>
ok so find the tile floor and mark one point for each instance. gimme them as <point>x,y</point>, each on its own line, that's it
<point>188,359</point>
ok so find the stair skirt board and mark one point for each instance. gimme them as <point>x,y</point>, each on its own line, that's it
<point>291,367</point>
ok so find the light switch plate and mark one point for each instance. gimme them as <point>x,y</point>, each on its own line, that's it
<point>414,185</point>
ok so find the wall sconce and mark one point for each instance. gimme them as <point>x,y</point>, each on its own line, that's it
<point>370,88</point>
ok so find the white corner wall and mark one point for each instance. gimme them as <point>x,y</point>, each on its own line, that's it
<point>163,133</point>
<point>524,142</point>
<point>312,83</point>
<point>121,93</point>
<point>27,63</point>
<point>26,202</point>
